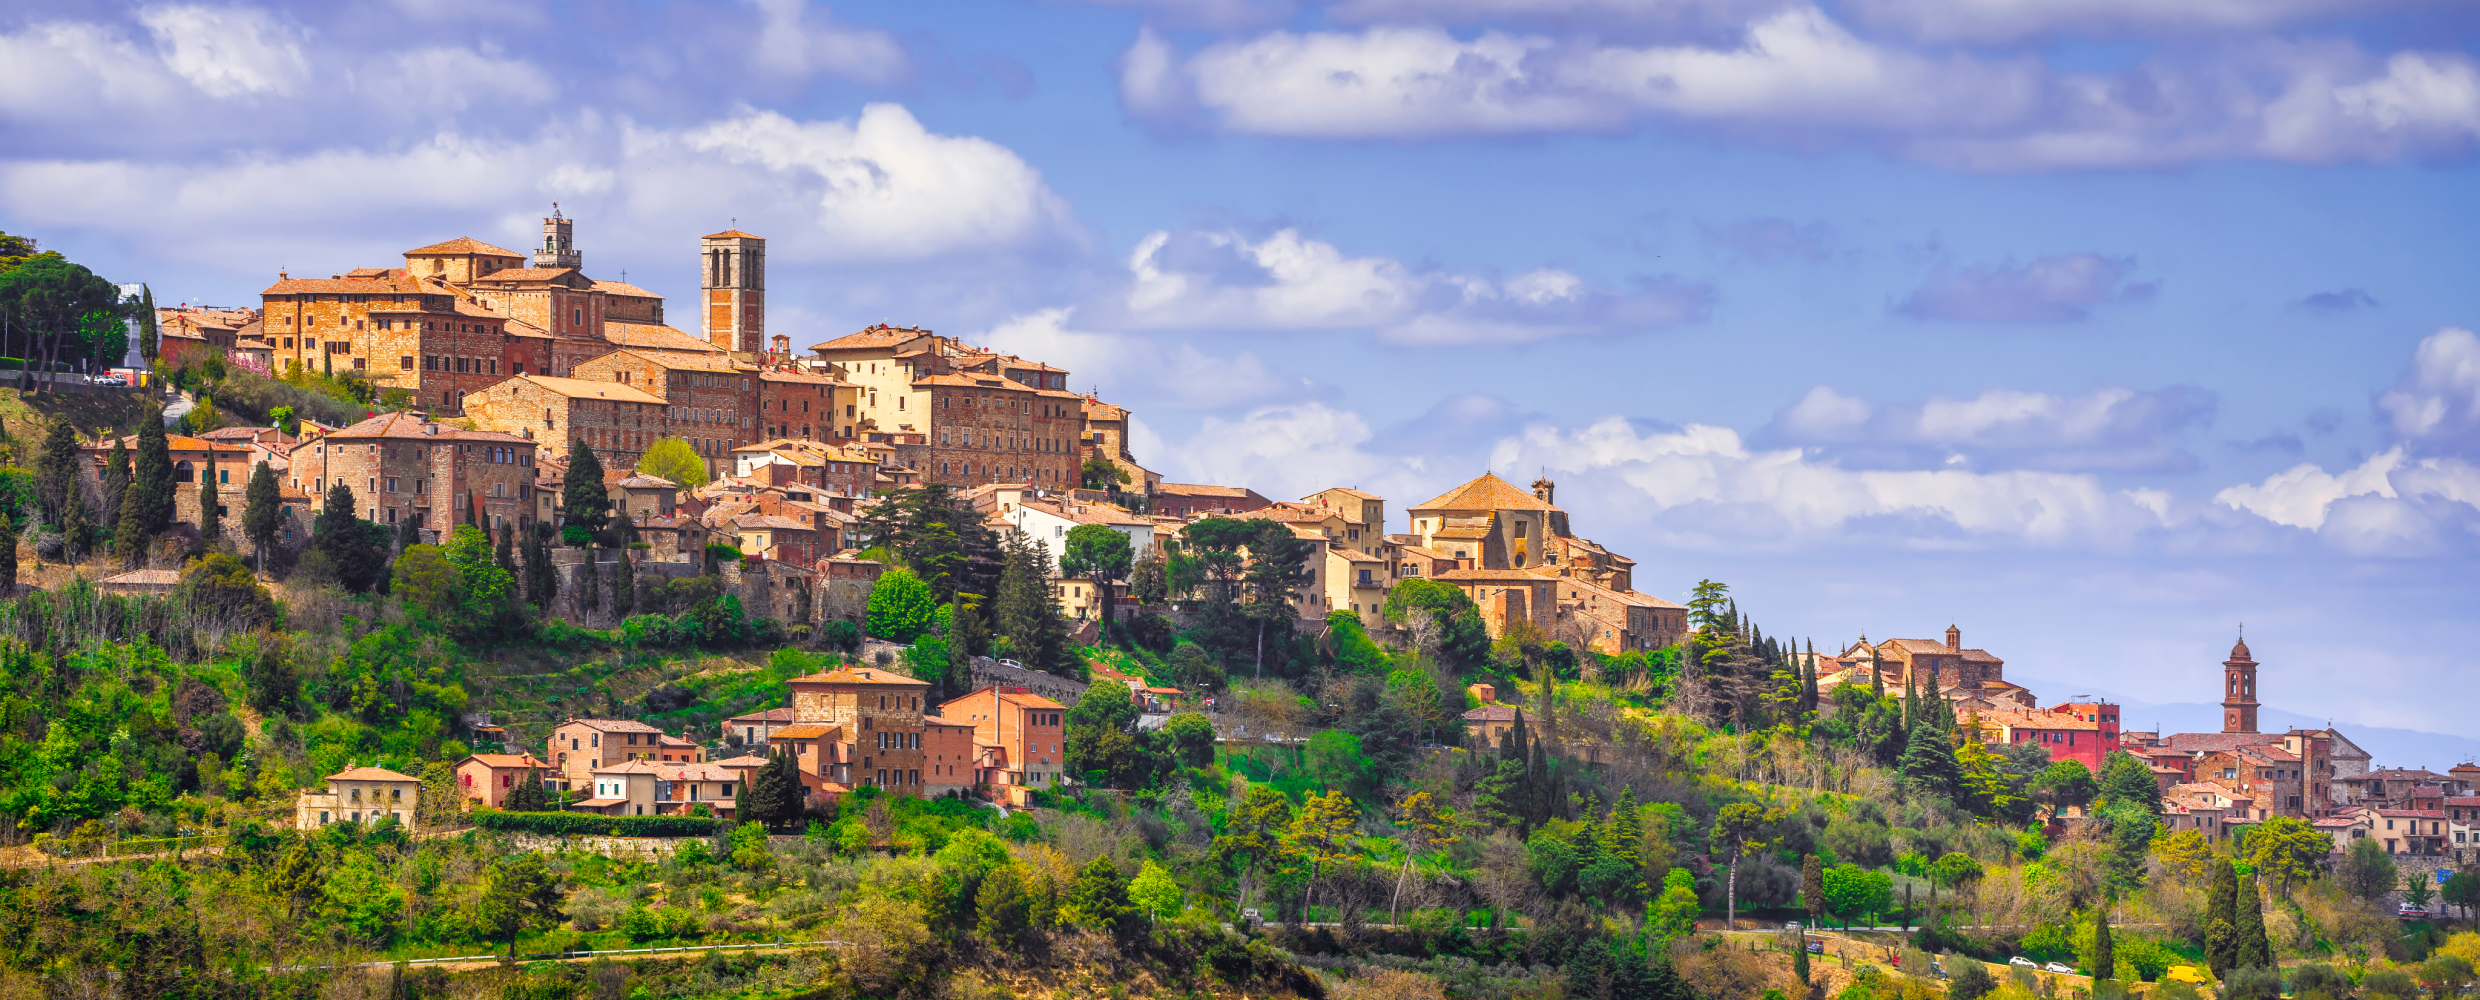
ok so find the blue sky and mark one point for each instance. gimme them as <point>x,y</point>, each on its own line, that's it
<point>2095,327</point>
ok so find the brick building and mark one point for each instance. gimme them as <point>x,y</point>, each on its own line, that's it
<point>1195,499</point>
<point>732,291</point>
<point>708,399</point>
<point>985,429</point>
<point>799,404</point>
<point>486,779</point>
<point>580,747</point>
<point>400,466</point>
<point>1021,735</point>
<point>834,470</point>
<point>615,419</point>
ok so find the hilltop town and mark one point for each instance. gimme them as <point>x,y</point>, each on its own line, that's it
<point>466,607</point>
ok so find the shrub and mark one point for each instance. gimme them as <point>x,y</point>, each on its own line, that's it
<point>589,824</point>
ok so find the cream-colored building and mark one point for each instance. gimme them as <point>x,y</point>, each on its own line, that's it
<point>625,789</point>
<point>358,795</point>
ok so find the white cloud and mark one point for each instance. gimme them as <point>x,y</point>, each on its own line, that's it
<point>1703,481</point>
<point>789,44</point>
<point>2014,20</point>
<point>1287,451</point>
<point>2437,400</point>
<point>1794,77</point>
<point>1137,371</point>
<point>2302,495</point>
<point>877,187</point>
<point>229,51</point>
<point>1194,279</point>
<point>2391,504</point>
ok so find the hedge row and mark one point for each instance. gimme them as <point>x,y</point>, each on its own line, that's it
<point>589,824</point>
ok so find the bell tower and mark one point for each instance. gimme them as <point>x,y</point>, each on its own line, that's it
<point>2239,691</point>
<point>733,292</point>
<point>559,244</point>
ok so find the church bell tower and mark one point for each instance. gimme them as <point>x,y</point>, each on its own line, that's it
<point>2239,691</point>
<point>733,289</point>
<point>559,243</point>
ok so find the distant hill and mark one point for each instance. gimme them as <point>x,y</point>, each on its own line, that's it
<point>2391,747</point>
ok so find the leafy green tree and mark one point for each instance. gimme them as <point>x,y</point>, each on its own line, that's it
<point>1252,837</point>
<point>116,478</point>
<point>1929,761</point>
<point>585,506</point>
<point>2366,871</point>
<point>1101,554</point>
<point>486,593</point>
<point>942,540</point>
<point>901,606</point>
<point>2463,891</point>
<point>1099,473</point>
<point>1855,893</point>
<point>1155,892</point>
<point>148,345</point>
<point>1192,738</point>
<point>55,300</point>
<point>2417,889</point>
<point>1336,759</point>
<point>674,459</point>
<point>1277,569</point>
<point>219,588</point>
<point>358,558</point>
<point>2066,783</point>
<point>2104,964</point>
<point>1971,981</point>
<point>518,892</point>
<point>1349,643</point>
<point>1674,913</point>
<point>260,518</point>
<point>1150,581</point>
<point>2124,779</point>
<point>1098,897</point>
<point>1464,640</point>
<point>2287,851</point>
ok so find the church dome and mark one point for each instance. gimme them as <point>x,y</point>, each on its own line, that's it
<point>2240,652</point>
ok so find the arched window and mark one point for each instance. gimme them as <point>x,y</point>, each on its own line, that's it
<point>183,472</point>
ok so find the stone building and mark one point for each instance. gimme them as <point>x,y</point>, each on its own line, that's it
<point>801,405</point>
<point>580,747</point>
<point>359,795</point>
<point>1515,554</point>
<point>1105,436</point>
<point>708,399</point>
<point>1026,731</point>
<point>1967,677</point>
<point>2283,774</point>
<point>1497,526</point>
<point>880,712</point>
<point>834,470</point>
<point>1197,500</point>
<point>986,429</point>
<point>402,467</point>
<point>617,420</point>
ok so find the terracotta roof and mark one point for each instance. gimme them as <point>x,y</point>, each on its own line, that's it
<point>805,731</point>
<point>611,725</point>
<point>369,774</point>
<point>712,361</point>
<point>1491,713</point>
<point>933,720</point>
<point>781,375</point>
<point>2209,742</point>
<point>733,234</point>
<point>655,336</point>
<point>1527,575</point>
<point>1348,491</point>
<point>601,803</point>
<point>392,284</point>
<point>624,288</point>
<point>525,760</point>
<point>874,337</point>
<point>783,714</point>
<point>463,244</point>
<point>410,427</point>
<point>1487,492</point>
<point>639,766</point>
<point>2397,774</point>
<point>744,761</point>
<point>646,481</point>
<point>525,273</point>
<point>578,388</point>
<point>1202,490</point>
<point>1461,533</point>
<point>860,675</point>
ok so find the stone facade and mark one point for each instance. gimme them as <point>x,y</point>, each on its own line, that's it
<point>800,405</point>
<point>879,711</point>
<point>988,429</point>
<point>617,420</point>
<point>708,400</point>
<point>580,747</point>
<point>359,795</point>
<point>400,466</point>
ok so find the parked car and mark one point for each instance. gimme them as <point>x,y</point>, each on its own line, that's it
<point>1816,946</point>
<point>2063,970</point>
<point>2022,961</point>
<point>2410,912</point>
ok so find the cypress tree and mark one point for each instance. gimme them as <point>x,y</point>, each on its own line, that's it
<point>115,478</point>
<point>259,516</point>
<point>504,554</point>
<point>146,506</point>
<point>624,586</point>
<point>8,556</point>
<point>408,533</point>
<point>1877,677</point>
<point>210,526</point>
<point>56,469</point>
<point>1799,958</point>
<point>2221,945</point>
<point>2105,958</point>
<point>541,582</point>
<point>1813,889</point>
<point>2255,951</point>
<point>147,344</point>
<point>1929,761</point>
<point>584,505</point>
<point>77,530</point>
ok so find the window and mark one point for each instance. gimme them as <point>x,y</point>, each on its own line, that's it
<point>405,363</point>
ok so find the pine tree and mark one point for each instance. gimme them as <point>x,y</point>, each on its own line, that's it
<point>2221,943</point>
<point>259,517</point>
<point>1929,762</point>
<point>210,526</point>
<point>1799,959</point>
<point>2254,950</point>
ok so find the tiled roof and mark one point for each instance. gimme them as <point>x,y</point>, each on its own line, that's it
<point>369,774</point>
<point>526,274</point>
<point>743,762</point>
<point>611,725</point>
<point>624,288</point>
<point>525,760</point>
<point>805,731</point>
<point>1348,491</point>
<point>798,377</point>
<point>1461,533</point>
<point>1202,490</point>
<point>2398,774</point>
<point>933,720</point>
<point>733,234</point>
<point>640,766</point>
<point>1485,575</point>
<point>783,714</point>
<point>578,388</point>
<point>2209,742</point>
<point>646,481</point>
<point>655,336</point>
<point>392,284</point>
<point>860,675</point>
<point>877,336</point>
<point>1491,713</point>
<point>1487,492</point>
<point>463,244</point>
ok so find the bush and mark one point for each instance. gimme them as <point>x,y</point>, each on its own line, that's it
<point>840,635</point>
<point>588,824</point>
<point>1153,632</point>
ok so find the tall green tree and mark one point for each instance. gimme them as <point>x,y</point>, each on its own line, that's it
<point>585,506</point>
<point>260,516</point>
<point>2221,920</point>
<point>1026,612</point>
<point>210,521</point>
<point>2105,955</point>
<point>8,557</point>
<point>350,544</point>
<point>56,471</point>
<point>519,892</point>
<point>542,579</point>
<point>1813,888</point>
<point>1738,827</point>
<point>2255,950</point>
<point>1929,761</point>
<point>676,460</point>
<point>116,477</point>
<point>1278,568</point>
<point>147,341</point>
<point>146,506</point>
<point>52,299</point>
<point>1101,554</point>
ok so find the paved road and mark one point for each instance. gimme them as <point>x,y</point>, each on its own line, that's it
<point>179,407</point>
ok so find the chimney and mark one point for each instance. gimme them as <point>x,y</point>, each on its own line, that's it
<point>1954,638</point>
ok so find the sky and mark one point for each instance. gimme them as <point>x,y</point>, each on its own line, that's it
<point>2097,328</point>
